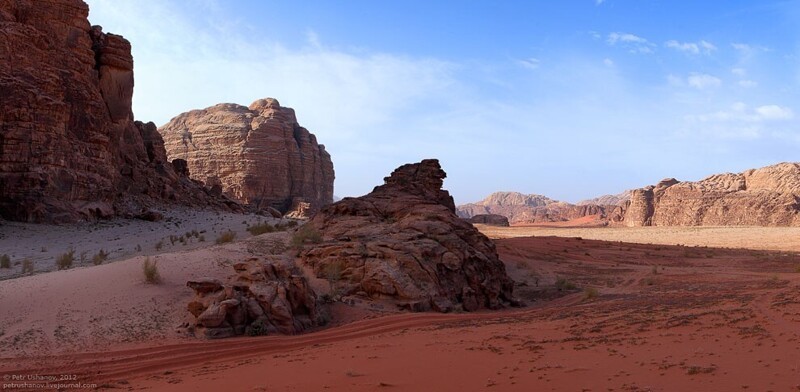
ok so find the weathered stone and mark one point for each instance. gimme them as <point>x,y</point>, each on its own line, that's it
<point>258,155</point>
<point>769,196</point>
<point>404,241</point>
<point>205,285</point>
<point>69,147</point>
<point>521,209</point>
<point>489,219</point>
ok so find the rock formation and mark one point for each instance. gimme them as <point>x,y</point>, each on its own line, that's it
<point>489,219</point>
<point>264,297</point>
<point>403,241</point>
<point>521,209</point>
<point>259,154</point>
<point>69,147</point>
<point>608,200</point>
<point>769,196</point>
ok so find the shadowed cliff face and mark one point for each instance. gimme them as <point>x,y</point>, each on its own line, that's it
<point>404,241</point>
<point>69,147</point>
<point>259,155</point>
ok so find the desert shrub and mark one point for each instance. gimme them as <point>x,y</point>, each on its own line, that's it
<point>160,245</point>
<point>226,237</point>
<point>27,266</point>
<point>150,269</point>
<point>65,260</point>
<point>261,228</point>
<point>5,261</point>
<point>83,256</point>
<point>201,238</point>
<point>564,285</point>
<point>100,257</point>
<point>257,328</point>
<point>590,293</point>
<point>306,235</point>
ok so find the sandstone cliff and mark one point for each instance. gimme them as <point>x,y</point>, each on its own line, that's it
<point>259,154</point>
<point>69,147</point>
<point>403,241</point>
<point>769,196</point>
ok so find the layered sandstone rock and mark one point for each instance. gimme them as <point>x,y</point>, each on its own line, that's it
<point>403,241</point>
<point>608,200</point>
<point>769,196</point>
<point>258,155</point>
<point>521,209</point>
<point>69,148</point>
<point>489,219</point>
<point>263,298</point>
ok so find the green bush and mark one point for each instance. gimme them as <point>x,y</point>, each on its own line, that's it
<point>65,260</point>
<point>564,285</point>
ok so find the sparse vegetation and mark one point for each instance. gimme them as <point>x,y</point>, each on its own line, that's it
<point>226,237</point>
<point>65,260</point>
<point>564,285</point>
<point>160,245</point>
<point>27,266</point>
<point>201,238</point>
<point>150,269</point>
<point>305,235</point>
<point>261,228</point>
<point>5,261</point>
<point>100,257</point>
<point>590,293</point>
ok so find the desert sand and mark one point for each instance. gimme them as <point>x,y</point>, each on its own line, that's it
<point>628,317</point>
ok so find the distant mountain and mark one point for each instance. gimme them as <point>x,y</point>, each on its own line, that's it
<point>768,196</point>
<point>608,200</point>
<point>521,208</point>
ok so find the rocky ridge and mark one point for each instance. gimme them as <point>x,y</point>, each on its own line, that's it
<point>69,146</point>
<point>258,155</point>
<point>768,196</point>
<point>404,242</point>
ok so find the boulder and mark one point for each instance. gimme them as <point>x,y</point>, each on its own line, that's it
<point>489,219</point>
<point>264,296</point>
<point>404,242</point>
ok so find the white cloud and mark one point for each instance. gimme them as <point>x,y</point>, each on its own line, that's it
<point>704,47</point>
<point>530,63</point>
<point>748,83</point>
<point>703,81</point>
<point>740,72</point>
<point>598,2</point>
<point>608,62</point>
<point>775,112</point>
<point>633,43</point>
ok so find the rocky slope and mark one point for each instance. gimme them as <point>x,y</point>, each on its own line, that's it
<point>263,298</point>
<point>403,241</point>
<point>608,200</point>
<point>769,196</point>
<point>258,155</point>
<point>520,209</point>
<point>69,146</point>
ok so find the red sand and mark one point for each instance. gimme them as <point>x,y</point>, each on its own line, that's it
<point>649,318</point>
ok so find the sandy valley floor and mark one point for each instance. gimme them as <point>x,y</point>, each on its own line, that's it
<point>627,317</point>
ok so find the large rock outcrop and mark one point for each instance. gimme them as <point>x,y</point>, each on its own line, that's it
<point>264,297</point>
<point>769,196</point>
<point>489,219</point>
<point>522,209</point>
<point>69,147</point>
<point>259,154</point>
<point>404,242</point>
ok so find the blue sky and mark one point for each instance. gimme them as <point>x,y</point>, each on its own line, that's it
<point>570,99</point>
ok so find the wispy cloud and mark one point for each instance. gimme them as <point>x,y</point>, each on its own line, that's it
<point>703,81</point>
<point>702,46</point>
<point>632,42</point>
<point>530,63</point>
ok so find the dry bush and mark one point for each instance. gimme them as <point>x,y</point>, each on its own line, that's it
<point>27,266</point>
<point>150,269</point>
<point>100,257</point>
<point>305,235</point>
<point>226,237</point>
<point>65,260</point>
<point>261,228</point>
<point>5,261</point>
